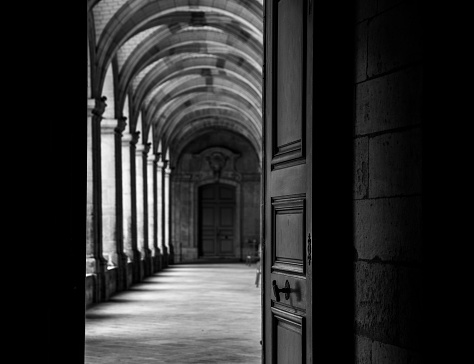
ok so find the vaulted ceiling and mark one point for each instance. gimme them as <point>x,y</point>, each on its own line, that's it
<point>176,68</point>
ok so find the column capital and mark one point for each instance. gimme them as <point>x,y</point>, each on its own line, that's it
<point>135,136</point>
<point>121,124</point>
<point>100,106</point>
<point>146,148</point>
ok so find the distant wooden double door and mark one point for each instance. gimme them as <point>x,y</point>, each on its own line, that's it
<point>216,220</point>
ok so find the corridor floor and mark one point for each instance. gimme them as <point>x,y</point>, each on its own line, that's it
<point>184,314</point>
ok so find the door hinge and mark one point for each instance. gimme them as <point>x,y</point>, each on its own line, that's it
<point>309,249</point>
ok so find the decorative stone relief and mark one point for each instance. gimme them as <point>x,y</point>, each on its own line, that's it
<point>216,163</point>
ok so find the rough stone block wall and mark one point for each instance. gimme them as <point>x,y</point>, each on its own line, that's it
<point>387,181</point>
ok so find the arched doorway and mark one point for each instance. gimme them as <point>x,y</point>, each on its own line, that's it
<point>216,221</point>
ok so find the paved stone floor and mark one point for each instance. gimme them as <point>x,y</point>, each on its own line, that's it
<point>184,314</point>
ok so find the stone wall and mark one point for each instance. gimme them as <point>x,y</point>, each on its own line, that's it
<point>387,181</point>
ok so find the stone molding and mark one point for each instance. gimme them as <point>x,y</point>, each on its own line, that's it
<point>126,139</point>
<point>90,107</point>
<point>151,158</point>
<point>139,148</point>
<point>107,126</point>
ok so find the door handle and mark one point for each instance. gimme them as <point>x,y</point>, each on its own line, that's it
<point>277,291</point>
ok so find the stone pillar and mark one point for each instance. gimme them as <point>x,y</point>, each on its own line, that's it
<point>134,252</point>
<point>129,244</point>
<point>141,152</point>
<point>91,261</point>
<point>95,263</point>
<point>122,258</point>
<point>160,233</point>
<point>151,193</point>
<point>166,225</point>
<point>146,191</point>
<point>111,189</point>
<point>109,217</point>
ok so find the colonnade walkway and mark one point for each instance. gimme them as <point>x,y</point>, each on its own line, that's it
<point>184,314</point>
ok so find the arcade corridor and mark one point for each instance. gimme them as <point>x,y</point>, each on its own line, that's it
<point>184,314</point>
<point>292,130</point>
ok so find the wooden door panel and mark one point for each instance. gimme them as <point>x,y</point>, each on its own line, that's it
<point>288,337</point>
<point>226,193</point>
<point>226,216</point>
<point>226,246</point>
<point>289,75</point>
<point>289,54</point>
<point>208,216</point>
<point>288,181</point>
<point>288,234</point>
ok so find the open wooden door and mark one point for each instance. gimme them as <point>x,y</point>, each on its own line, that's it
<point>308,249</point>
<point>287,297</point>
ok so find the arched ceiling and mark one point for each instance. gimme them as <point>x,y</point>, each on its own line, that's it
<point>183,66</point>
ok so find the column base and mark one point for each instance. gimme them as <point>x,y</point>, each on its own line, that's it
<point>171,255</point>
<point>156,260</point>
<point>164,258</point>
<point>148,263</point>
<point>122,274</point>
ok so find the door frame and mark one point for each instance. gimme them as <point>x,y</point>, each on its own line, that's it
<point>237,244</point>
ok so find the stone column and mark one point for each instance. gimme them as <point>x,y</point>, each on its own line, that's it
<point>95,263</point>
<point>111,188</point>
<point>129,247</point>
<point>140,151</point>
<point>91,259</point>
<point>109,217</point>
<point>151,193</point>
<point>134,252</point>
<point>122,258</point>
<point>159,212</point>
<point>146,232</point>
<point>166,199</point>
